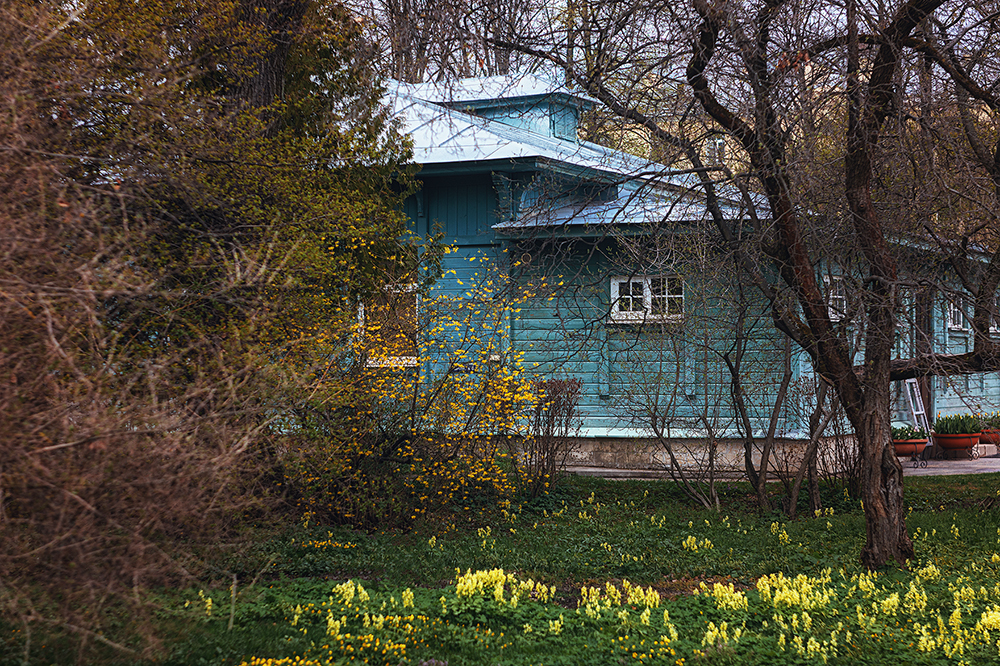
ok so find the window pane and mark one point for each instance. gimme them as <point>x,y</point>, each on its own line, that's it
<point>956,316</point>
<point>667,295</point>
<point>836,298</point>
<point>675,304</point>
<point>630,296</point>
<point>658,292</point>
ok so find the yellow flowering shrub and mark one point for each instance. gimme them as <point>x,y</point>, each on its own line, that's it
<point>432,414</point>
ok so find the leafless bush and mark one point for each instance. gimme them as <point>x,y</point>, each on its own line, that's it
<point>555,422</point>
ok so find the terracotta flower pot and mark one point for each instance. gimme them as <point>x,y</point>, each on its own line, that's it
<point>955,442</point>
<point>990,437</point>
<point>909,447</point>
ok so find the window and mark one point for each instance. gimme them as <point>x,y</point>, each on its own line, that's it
<point>390,327</point>
<point>714,151</point>
<point>956,314</point>
<point>836,297</point>
<point>647,298</point>
<point>995,315</point>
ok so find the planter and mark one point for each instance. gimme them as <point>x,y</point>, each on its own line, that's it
<point>990,437</point>
<point>960,441</point>
<point>959,447</point>
<point>909,447</point>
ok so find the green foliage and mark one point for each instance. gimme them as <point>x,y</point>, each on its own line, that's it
<point>957,424</point>
<point>598,529</point>
<point>731,589</point>
<point>990,421</point>
<point>565,543</point>
<point>909,432</point>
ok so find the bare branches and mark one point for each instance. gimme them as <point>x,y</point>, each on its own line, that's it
<point>712,20</point>
<point>974,362</point>
<point>159,257</point>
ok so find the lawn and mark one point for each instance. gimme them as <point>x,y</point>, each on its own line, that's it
<point>602,572</point>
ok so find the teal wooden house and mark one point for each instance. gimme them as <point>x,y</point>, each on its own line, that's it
<point>607,262</point>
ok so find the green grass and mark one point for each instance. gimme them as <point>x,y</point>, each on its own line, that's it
<point>589,533</point>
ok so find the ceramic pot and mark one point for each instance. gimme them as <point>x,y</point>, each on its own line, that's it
<point>990,437</point>
<point>909,447</point>
<point>959,441</point>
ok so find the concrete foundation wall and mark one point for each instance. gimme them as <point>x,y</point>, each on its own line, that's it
<point>651,457</point>
<point>646,458</point>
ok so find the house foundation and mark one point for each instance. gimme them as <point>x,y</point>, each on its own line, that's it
<point>646,458</point>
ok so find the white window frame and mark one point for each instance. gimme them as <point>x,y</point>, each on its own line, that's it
<point>715,151</point>
<point>836,297</point>
<point>638,316</point>
<point>995,315</point>
<point>390,361</point>
<point>957,320</point>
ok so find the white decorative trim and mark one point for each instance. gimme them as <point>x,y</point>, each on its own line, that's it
<point>955,310</point>
<point>646,298</point>
<point>836,297</point>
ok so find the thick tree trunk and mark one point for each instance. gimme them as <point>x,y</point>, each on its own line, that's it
<point>865,394</point>
<point>881,485</point>
<point>277,23</point>
<point>881,473</point>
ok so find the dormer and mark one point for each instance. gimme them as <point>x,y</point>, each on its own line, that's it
<point>525,101</point>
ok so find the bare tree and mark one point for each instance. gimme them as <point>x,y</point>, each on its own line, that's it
<point>420,40</point>
<point>870,96</point>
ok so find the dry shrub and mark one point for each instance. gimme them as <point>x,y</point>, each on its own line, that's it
<point>120,461</point>
<point>134,388</point>
<point>555,422</point>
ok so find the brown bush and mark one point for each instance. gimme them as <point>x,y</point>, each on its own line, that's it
<point>145,246</point>
<point>555,423</point>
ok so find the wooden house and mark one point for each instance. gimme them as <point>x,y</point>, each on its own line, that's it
<point>607,261</point>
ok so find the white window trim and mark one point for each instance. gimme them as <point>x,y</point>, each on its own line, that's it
<point>835,283</point>
<point>715,151</point>
<point>995,316</point>
<point>957,320</point>
<point>390,361</point>
<point>638,317</point>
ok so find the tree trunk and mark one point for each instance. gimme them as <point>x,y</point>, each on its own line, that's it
<point>864,393</point>
<point>817,424</point>
<point>815,499</point>
<point>772,428</point>
<point>277,22</point>
<point>881,484</point>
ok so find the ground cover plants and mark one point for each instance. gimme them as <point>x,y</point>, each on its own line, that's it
<point>601,572</point>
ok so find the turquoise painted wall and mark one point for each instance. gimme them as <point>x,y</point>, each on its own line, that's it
<point>629,370</point>
<point>562,330</point>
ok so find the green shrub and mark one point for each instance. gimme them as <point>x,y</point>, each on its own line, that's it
<point>909,432</point>
<point>957,424</point>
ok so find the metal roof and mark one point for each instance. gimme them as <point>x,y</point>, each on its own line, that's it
<point>494,88</point>
<point>446,136</point>
<point>632,206</point>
